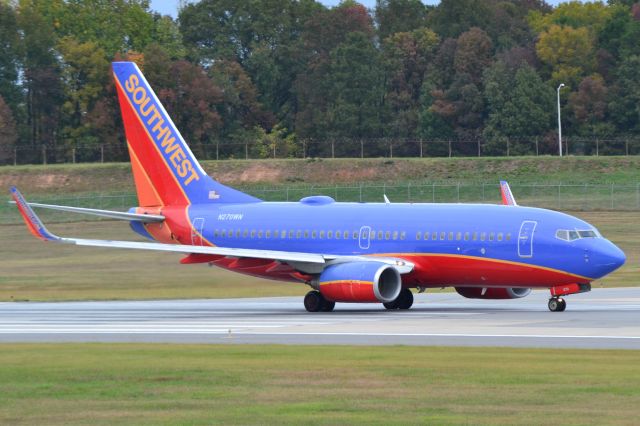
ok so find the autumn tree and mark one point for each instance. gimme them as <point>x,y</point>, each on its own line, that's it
<point>8,132</point>
<point>398,16</point>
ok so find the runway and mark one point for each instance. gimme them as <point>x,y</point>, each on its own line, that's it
<point>603,318</point>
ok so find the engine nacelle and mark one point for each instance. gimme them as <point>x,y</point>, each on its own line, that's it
<point>492,293</point>
<point>360,282</point>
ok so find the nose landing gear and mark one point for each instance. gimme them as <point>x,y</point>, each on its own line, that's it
<point>557,304</point>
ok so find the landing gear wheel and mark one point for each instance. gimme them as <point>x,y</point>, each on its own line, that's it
<point>313,301</point>
<point>405,299</point>
<point>563,304</point>
<point>392,305</point>
<point>328,306</point>
<point>557,304</point>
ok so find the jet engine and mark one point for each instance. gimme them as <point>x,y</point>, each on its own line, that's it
<point>360,282</point>
<point>492,293</point>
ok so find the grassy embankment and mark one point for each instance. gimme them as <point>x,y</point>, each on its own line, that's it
<point>32,270</point>
<point>212,384</point>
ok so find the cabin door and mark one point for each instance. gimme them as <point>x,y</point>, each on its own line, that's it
<point>196,231</point>
<point>525,238</point>
<point>365,239</point>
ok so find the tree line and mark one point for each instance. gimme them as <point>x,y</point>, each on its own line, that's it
<point>281,71</point>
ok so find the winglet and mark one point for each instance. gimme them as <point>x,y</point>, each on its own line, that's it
<point>507,196</point>
<point>34,224</point>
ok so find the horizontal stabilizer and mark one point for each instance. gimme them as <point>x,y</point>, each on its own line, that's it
<point>132,217</point>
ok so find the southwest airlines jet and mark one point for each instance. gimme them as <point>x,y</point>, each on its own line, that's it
<point>346,252</point>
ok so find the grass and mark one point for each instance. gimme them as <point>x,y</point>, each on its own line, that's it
<point>213,384</point>
<point>116,177</point>
<point>33,270</point>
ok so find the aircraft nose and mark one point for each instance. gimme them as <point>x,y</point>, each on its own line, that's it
<point>606,258</point>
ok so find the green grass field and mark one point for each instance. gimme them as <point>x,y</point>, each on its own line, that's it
<point>212,384</point>
<point>33,270</point>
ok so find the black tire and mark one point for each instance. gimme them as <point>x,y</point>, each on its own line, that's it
<point>393,305</point>
<point>313,301</point>
<point>554,304</point>
<point>405,299</point>
<point>563,305</point>
<point>328,306</point>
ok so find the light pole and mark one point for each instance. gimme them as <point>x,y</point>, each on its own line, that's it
<point>559,122</point>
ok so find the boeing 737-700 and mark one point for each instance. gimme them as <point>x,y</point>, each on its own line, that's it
<point>346,252</point>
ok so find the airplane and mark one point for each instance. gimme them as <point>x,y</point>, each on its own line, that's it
<point>346,252</point>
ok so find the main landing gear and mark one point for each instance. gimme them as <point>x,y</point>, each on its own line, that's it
<point>314,301</point>
<point>557,304</point>
<point>403,301</point>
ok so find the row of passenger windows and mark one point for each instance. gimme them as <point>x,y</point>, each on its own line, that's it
<point>337,235</point>
<point>459,236</point>
<point>373,235</point>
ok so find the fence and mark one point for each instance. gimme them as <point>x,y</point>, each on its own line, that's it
<point>70,152</point>
<point>568,197</point>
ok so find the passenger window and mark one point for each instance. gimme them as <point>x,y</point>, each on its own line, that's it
<point>387,235</point>
<point>475,236</point>
<point>283,234</point>
<point>466,236</point>
<point>298,234</point>
<point>483,236</point>
<point>313,235</point>
<point>379,235</point>
<point>245,233</point>
<point>253,233</point>
<point>230,234</point>
<point>260,234</point>
<point>276,233</point>
<point>345,235</point>
<point>418,235</point>
<point>499,236</point>
<point>321,235</point>
<point>442,235</point>
<point>355,235</point>
<point>337,235</point>
<point>329,234</point>
<point>291,234</point>
<point>238,233</point>
<point>223,233</point>
<point>492,236</point>
<point>434,236</point>
<point>215,233</point>
<point>508,238</point>
<point>306,234</point>
<point>395,235</point>
<point>403,235</point>
<point>267,234</point>
<point>372,235</point>
<point>450,236</point>
<point>458,236</point>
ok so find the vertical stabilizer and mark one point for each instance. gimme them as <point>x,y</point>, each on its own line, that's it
<point>164,168</point>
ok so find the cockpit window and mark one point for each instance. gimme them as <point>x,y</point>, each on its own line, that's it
<point>572,235</point>
<point>587,234</point>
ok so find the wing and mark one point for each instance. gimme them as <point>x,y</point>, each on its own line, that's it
<point>306,262</point>
<point>507,196</point>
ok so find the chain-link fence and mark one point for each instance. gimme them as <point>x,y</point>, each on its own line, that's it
<point>568,197</point>
<point>70,152</point>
